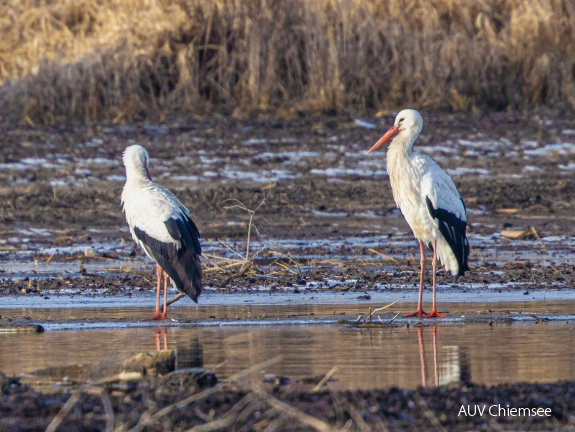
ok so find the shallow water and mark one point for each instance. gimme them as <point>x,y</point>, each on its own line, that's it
<point>230,338</point>
<point>365,358</point>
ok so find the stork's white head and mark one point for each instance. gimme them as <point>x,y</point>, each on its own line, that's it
<point>136,161</point>
<point>407,126</point>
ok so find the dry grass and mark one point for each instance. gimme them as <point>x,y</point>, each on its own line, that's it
<point>112,60</point>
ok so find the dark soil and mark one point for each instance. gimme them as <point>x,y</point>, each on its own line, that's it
<point>24,409</point>
<point>72,194</point>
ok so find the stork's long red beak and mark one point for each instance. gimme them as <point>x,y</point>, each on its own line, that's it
<point>385,138</point>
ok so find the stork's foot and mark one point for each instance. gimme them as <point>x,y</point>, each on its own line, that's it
<point>159,316</point>
<point>434,314</point>
<point>419,312</point>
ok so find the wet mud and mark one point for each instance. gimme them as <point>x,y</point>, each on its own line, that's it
<point>161,404</point>
<point>326,203</point>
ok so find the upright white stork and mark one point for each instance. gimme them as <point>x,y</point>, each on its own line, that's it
<point>162,226</point>
<point>428,199</point>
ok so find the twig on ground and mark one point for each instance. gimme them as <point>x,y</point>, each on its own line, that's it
<point>251,214</point>
<point>66,408</point>
<point>294,413</point>
<point>380,309</point>
<point>428,413</point>
<point>387,257</point>
<point>109,410</point>
<point>536,234</point>
<point>367,322</point>
<point>175,298</point>
<point>324,379</point>
<point>227,420</point>
<point>148,418</point>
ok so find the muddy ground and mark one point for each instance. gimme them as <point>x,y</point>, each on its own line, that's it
<point>170,406</point>
<point>60,189</point>
<point>326,206</point>
<point>146,393</point>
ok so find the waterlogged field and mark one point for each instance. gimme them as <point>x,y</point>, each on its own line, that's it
<point>325,218</point>
<point>326,246</point>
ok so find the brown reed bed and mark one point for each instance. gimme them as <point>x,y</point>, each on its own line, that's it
<point>111,60</point>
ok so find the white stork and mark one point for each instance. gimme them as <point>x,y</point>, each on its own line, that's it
<point>162,226</point>
<point>428,199</point>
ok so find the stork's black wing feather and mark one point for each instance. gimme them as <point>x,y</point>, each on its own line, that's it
<point>185,230</point>
<point>453,230</point>
<point>181,264</point>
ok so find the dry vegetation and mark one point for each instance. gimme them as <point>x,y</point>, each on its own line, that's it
<point>113,60</point>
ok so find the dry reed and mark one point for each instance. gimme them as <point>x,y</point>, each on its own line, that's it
<point>111,60</point>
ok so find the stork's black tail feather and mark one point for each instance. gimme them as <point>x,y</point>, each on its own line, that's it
<point>186,262</point>
<point>181,264</point>
<point>186,272</point>
<point>453,230</point>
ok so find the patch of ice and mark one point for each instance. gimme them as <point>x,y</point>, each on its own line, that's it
<point>568,132</point>
<point>115,177</point>
<point>340,172</point>
<point>97,161</point>
<point>364,124</point>
<point>28,163</point>
<point>209,160</point>
<point>546,122</point>
<point>290,155</point>
<point>35,232</point>
<point>14,166</point>
<point>568,167</point>
<point>253,141</point>
<point>532,169</point>
<point>187,178</point>
<point>262,176</point>
<point>35,161</point>
<point>368,214</point>
<point>483,145</point>
<point>461,171</point>
<point>82,171</point>
<point>529,144</point>
<point>433,150</point>
<point>68,181</point>
<point>329,214</point>
<point>558,149</point>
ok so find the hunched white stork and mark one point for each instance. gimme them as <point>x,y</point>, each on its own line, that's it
<point>162,226</point>
<point>429,201</point>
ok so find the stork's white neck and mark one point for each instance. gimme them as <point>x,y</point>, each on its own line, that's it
<point>136,172</point>
<point>403,142</point>
<point>399,166</point>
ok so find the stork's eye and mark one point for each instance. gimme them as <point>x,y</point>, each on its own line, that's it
<point>400,120</point>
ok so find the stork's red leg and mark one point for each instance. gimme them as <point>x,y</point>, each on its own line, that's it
<point>165,338</point>
<point>165,309</point>
<point>158,346</point>
<point>422,363</point>
<point>159,272</point>
<point>419,311</point>
<point>162,332</point>
<point>434,313</point>
<point>435,364</point>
